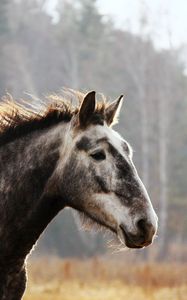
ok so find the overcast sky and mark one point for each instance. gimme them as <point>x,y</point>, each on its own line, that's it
<point>167,19</point>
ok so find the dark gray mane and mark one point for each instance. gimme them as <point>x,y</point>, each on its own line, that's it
<point>16,120</point>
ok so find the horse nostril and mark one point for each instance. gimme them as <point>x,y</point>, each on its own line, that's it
<point>142,225</point>
<point>146,228</point>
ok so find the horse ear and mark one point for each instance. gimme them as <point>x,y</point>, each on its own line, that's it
<point>87,109</point>
<point>112,111</point>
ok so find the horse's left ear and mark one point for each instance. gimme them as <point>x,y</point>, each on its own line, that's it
<point>112,111</point>
<point>87,109</point>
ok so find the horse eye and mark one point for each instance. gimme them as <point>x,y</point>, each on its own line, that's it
<point>99,155</point>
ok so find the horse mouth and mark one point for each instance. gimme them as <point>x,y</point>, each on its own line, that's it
<point>131,241</point>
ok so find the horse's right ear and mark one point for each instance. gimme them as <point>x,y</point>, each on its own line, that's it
<point>87,109</point>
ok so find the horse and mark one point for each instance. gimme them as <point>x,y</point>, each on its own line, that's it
<point>65,155</point>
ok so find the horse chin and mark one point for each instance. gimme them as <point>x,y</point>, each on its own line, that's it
<point>88,223</point>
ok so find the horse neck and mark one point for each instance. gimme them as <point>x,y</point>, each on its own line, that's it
<point>26,166</point>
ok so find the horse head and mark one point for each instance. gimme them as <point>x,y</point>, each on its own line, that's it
<point>98,176</point>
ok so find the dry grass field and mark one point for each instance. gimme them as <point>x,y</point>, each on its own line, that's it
<point>104,279</point>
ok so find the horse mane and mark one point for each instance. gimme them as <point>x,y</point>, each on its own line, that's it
<point>17,118</point>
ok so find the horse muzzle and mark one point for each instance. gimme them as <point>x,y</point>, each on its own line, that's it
<point>144,234</point>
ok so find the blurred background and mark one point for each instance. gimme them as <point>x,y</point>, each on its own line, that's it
<point>134,47</point>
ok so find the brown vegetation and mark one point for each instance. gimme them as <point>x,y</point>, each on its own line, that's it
<point>104,278</point>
